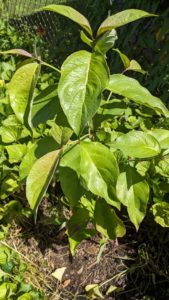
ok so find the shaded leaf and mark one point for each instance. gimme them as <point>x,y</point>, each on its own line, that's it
<point>106,41</point>
<point>70,184</point>
<point>133,191</point>
<point>35,151</point>
<point>77,230</point>
<point>107,222</point>
<point>45,106</point>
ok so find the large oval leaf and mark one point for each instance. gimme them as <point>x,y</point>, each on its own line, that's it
<point>39,178</point>
<point>99,170</point>
<point>138,144</point>
<point>107,222</point>
<point>122,18</point>
<point>131,88</point>
<point>133,192</point>
<point>21,91</point>
<point>84,75</point>
<point>70,13</point>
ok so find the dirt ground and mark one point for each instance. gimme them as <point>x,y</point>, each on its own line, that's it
<point>137,266</point>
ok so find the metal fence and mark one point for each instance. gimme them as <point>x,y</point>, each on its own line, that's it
<point>18,8</point>
<point>59,33</point>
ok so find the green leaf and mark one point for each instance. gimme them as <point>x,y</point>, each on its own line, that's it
<point>70,184</point>
<point>162,136</point>
<point>162,167</point>
<point>133,191</point>
<point>122,18</point>
<point>70,13</point>
<point>130,88</point>
<point>60,134</point>
<point>45,106</point>
<point>6,290</point>
<point>138,144</point>
<point>71,158</point>
<point>124,58</point>
<point>161,213</point>
<point>132,65</point>
<point>99,170</point>
<point>77,231</point>
<point>40,177</point>
<point>3,291</point>
<point>135,66</point>
<point>26,296</point>
<point>84,75</point>
<point>5,254</point>
<point>114,107</point>
<point>11,129</point>
<point>35,151</point>
<point>85,39</point>
<point>107,222</point>
<point>69,175</point>
<point>8,186</point>
<point>16,152</point>
<point>142,167</point>
<point>21,89</point>
<point>106,41</point>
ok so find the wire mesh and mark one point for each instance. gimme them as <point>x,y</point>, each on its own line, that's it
<point>18,8</point>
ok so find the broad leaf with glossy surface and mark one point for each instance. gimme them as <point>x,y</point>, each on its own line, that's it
<point>99,170</point>
<point>131,89</point>
<point>122,18</point>
<point>84,75</point>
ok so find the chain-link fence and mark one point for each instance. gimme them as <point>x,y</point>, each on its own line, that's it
<point>60,34</point>
<point>18,8</point>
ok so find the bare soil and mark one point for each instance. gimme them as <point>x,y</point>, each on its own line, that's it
<point>137,265</point>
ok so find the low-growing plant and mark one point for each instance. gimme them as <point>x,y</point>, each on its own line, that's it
<point>13,284</point>
<point>102,138</point>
